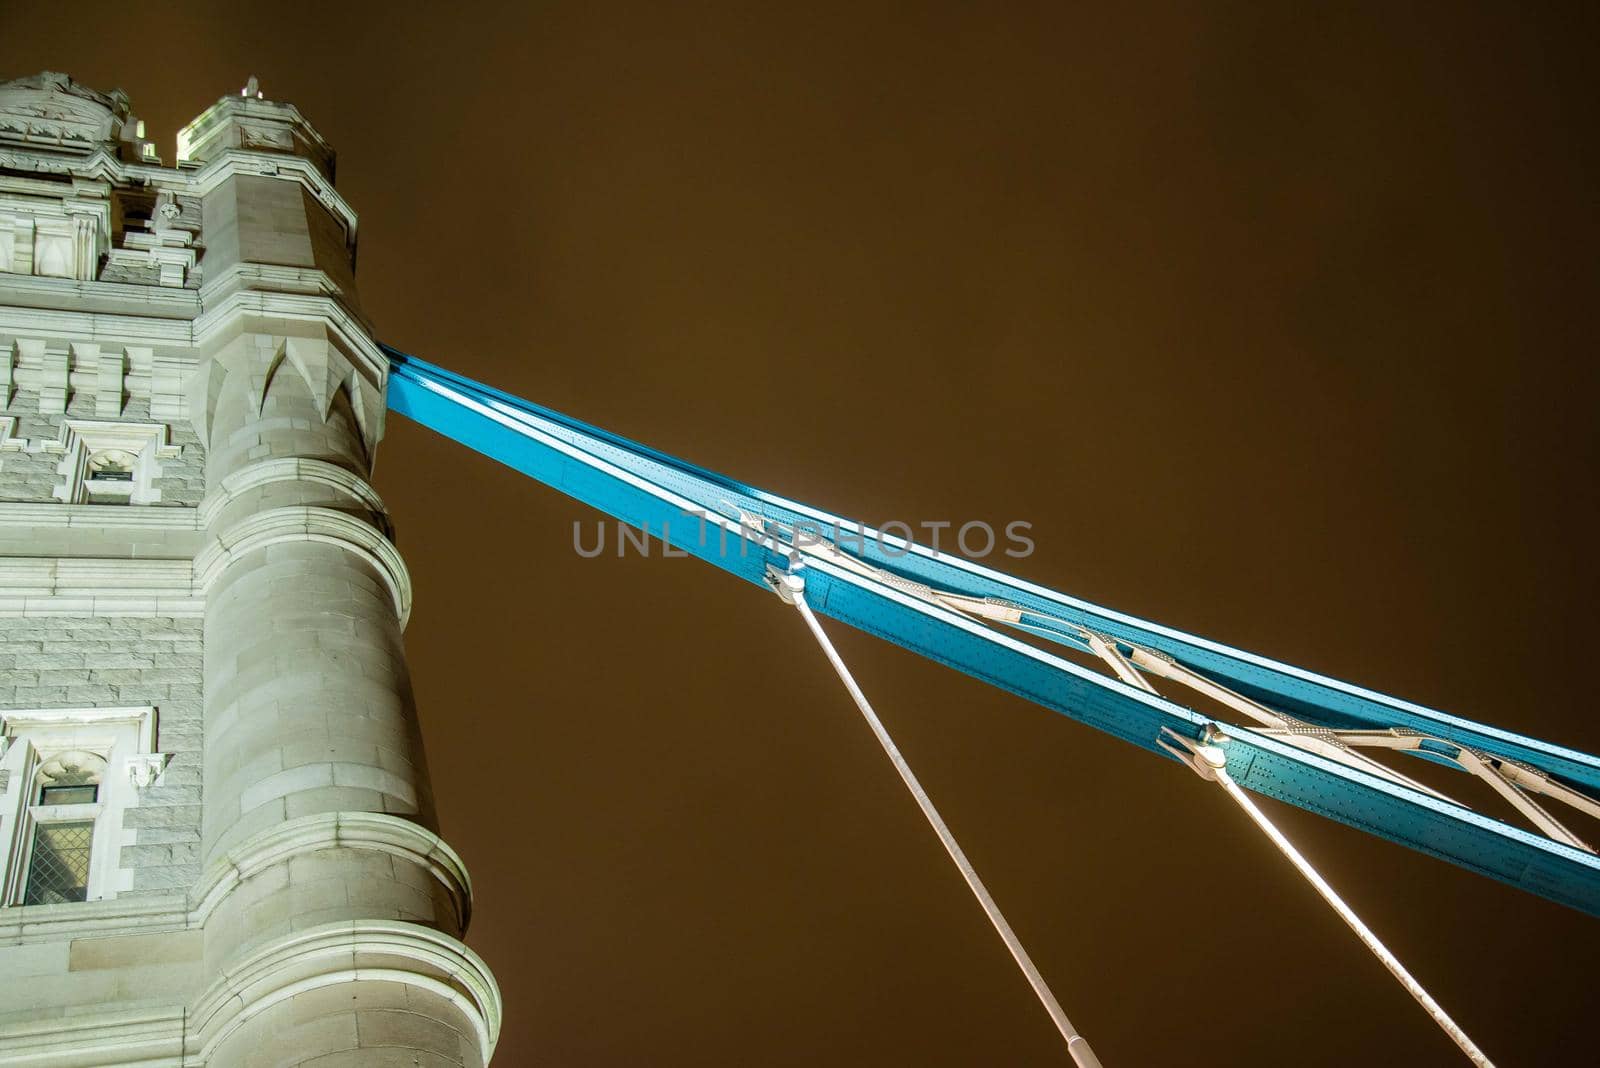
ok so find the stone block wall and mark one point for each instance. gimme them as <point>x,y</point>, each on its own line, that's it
<point>29,473</point>
<point>85,662</point>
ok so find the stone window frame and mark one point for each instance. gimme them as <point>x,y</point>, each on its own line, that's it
<point>81,439</point>
<point>123,740</point>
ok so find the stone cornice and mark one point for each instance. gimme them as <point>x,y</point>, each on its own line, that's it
<point>348,951</point>
<point>91,586</point>
<point>218,322</point>
<point>366,831</point>
<point>205,322</point>
<point>95,326</point>
<point>371,951</point>
<point>198,181</point>
<point>99,517</point>
<point>121,299</point>
<point>279,526</point>
<point>111,586</point>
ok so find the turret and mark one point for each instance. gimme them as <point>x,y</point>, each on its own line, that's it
<point>191,401</point>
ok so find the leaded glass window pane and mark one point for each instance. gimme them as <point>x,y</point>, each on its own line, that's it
<point>59,870</point>
<point>68,795</point>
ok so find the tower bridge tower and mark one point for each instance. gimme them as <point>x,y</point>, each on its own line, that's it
<point>217,838</point>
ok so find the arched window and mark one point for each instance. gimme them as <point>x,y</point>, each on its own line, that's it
<point>112,465</point>
<point>68,786</point>
<point>68,779</point>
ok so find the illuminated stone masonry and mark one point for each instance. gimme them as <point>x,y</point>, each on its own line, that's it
<point>217,837</point>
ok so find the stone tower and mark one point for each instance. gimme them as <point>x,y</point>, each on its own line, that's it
<point>217,838</point>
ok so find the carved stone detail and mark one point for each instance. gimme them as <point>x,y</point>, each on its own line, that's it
<point>145,768</point>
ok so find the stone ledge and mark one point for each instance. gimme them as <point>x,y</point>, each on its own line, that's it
<point>89,586</point>
<point>386,951</point>
<point>148,1038</point>
<point>100,517</point>
<point>278,526</point>
<point>377,832</point>
<point>25,924</point>
<point>372,831</point>
<point>290,469</point>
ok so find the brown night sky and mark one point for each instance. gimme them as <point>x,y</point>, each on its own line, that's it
<point>1277,326</point>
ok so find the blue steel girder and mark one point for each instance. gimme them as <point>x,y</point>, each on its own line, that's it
<point>660,494</point>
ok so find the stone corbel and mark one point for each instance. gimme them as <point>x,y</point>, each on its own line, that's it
<point>144,769</point>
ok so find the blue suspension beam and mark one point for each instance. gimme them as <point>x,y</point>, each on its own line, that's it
<point>880,584</point>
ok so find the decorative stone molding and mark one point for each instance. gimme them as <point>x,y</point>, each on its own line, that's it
<point>139,447</point>
<point>80,586</point>
<point>112,370</point>
<point>369,831</point>
<point>169,522</point>
<point>151,1038</point>
<point>106,311</point>
<point>293,469</point>
<point>277,526</point>
<point>167,372</point>
<point>161,348</point>
<point>75,721</point>
<point>28,924</point>
<point>298,295</point>
<point>162,253</point>
<point>53,230</point>
<point>110,387</point>
<point>54,361</point>
<point>320,361</point>
<point>144,769</point>
<point>105,165</point>
<point>52,111</point>
<point>363,951</point>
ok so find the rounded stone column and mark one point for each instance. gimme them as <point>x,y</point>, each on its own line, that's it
<point>318,831</point>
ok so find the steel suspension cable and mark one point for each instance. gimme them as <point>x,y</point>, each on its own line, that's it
<point>1211,763</point>
<point>791,588</point>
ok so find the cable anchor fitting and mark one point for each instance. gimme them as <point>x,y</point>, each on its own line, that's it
<point>786,584</point>
<point>1204,757</point>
